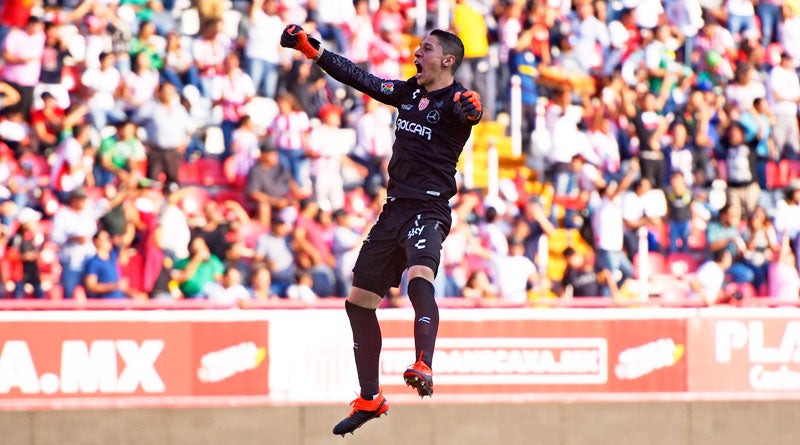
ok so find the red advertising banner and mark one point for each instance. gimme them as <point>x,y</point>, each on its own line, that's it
<point>55,359</point>
<point>754,353</point>
<point>483,356</point>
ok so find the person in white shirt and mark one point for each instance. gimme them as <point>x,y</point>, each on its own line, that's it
<point>74,225</point>
<point>103,84</point>
<point>374,140</point>
<point>741,16</point>
<point>790,33</point>
<point>709,280</point>
<point>262,50</point>
<point>608,227</point>
<point>784,92</point>
<point>329,153</point>
<point>514,273</point>
<point>69,171</point>
<point>232,90</point>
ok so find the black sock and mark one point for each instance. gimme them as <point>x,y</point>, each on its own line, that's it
<point>426,316</point>
<point>366,346</point>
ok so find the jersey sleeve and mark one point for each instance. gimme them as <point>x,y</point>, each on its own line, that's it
<point>347,72</point>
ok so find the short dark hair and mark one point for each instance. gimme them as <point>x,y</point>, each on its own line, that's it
<point>451,46</point>
<point>718,255</point>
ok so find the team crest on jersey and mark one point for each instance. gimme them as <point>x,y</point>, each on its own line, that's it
<point>423,103</point>
<point>387,87</point>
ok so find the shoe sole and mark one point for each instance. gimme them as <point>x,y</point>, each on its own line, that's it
<point>422,383</point>
<point>383,410</point>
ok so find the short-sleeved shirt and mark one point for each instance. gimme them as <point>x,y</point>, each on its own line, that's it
<point>206,273</point>
<point>107,272</point>
<point>122,151</point>
<point>274,181</point>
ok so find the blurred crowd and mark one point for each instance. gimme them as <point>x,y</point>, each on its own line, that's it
<point>172,149</point>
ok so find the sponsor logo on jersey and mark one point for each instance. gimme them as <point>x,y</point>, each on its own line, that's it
<point>413,127</point>
<point>415,94</point>
<point>423,103</point>
<point>433,116</point>
<point>387,87</point>
<point>406,106</point>
<point>439,104</point>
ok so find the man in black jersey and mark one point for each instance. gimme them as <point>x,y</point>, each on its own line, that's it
<point>435,118</point>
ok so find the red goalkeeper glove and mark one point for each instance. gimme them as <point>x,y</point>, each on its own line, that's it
<point>469,104</point>
<point>296,38</point>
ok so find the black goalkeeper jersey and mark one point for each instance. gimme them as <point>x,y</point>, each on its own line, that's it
<point>430,133</point>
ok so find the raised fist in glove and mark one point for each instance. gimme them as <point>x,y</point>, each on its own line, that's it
<point>296,38</point>
<point>469,106</point>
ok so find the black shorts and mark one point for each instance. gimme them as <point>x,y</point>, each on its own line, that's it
<point>408,233</point>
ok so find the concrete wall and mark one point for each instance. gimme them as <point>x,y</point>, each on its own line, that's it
<point>650,423</point>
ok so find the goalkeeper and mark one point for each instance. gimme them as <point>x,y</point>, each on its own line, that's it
<point>435,118</point>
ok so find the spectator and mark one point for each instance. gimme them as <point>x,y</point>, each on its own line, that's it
<point>209,51</point>
<point>232,90</point>
<point>219,229</point>
<point>679,213</point>
<point>469,24</point>
<point>650,128</point>
<point>102,277</point>
<point>709,280</point>
<point>232,290</point>
<point>362,34</point>
<point>270,187</point>
<point>374,144</point>
<point>244,148</point>
<point>784,91</point>
<point>635,213</point>
<point>761,245</point>
<point>24,187</point>
<point>275,250</point>
<point>607,225</point>
<point>28,243</point>
<point>262,50</point>
<point>492,234</point>
<point>121,156</point>
<point>592,35</point>
<point>725,234</point>
<point>478,286</point>
<point>332,17</point>
<point>740,156</point>
<point>312,249</point>
<point>139,85</point>
<point>302,288</point>
<point>329,151</point>
<point>168,128</point>
<point>179,67</point>
<point>261,284</point>
<point>200,274</point>
<point>143,43</point>
<point>680,155</point>
<point>173,234</point>
<point>346,242</point>
<point>74,225</point>
<point>69,171</point>
<point>757,123</point>
<point>514,274</point>
<point>583,279</point>
<point>289,133</point>
<point>22,54</point>
<point>769,15</point>
<point>104,87</point>
<point>51,120</point>
<point>51,75</point>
